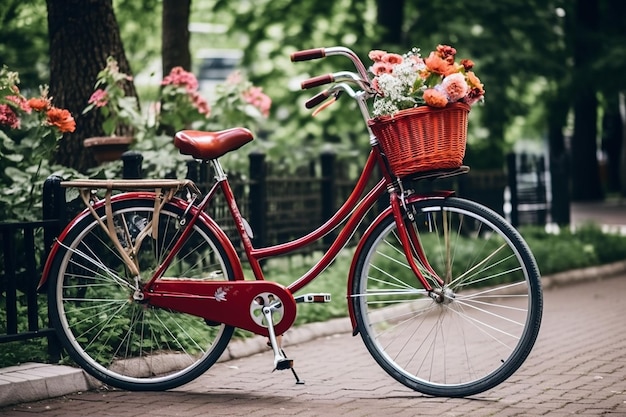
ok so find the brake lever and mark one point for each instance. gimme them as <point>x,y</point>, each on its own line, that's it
<point>333,98</point>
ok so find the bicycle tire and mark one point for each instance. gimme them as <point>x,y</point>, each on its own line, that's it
<point>120,341</point>
<point>482,328</point>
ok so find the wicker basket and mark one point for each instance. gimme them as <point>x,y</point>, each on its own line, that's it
<point>423,138</point>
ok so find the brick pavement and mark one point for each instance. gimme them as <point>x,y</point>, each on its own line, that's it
<point>578,367</point>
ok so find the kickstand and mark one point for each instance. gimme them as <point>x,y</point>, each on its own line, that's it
<point>293,371</point>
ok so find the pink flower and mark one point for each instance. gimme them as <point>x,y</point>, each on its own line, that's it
<point>200,103</point>
<point>455,86</point>
<point>20,102</point>
<point>392,59</point>
<point>258,99</point>
<point>380,67</point>
<point>416,60</point>
<point>99,98</point>
<point>435,98</point>
<point>234,78</point>
<point>376,55</point>
<point>179,77</point>
<point>8,117</point>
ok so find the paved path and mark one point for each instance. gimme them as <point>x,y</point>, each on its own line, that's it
<point>578,367</point>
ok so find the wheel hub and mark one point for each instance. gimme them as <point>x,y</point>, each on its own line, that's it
<point>443,295</point>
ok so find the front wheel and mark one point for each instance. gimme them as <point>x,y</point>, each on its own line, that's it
<point>106,328</point>
<point>478,325</point>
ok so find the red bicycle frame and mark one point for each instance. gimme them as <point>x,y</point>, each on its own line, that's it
<point>354,210</point>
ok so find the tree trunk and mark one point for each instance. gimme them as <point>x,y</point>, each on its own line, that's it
<point>614,122</point>
<point>175,41</point>
<point>557,110</point>
<point>82,33</point>
<point>612,140</point>
<point>391,18</point>
<point>622,166</point>
<point>585,173</point>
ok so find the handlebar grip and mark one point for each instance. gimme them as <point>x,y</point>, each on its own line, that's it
<point>317,81</point>
<point>308,54</point>
<point>316,99</point>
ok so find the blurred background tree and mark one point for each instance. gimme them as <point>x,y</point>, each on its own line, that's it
<point>82,34</point>
<point>551,68</point>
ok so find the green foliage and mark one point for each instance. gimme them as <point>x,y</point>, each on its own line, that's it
<point>24,39</point>
<point>557,253</point>
<point>272,30</point>
<point>585,246</point>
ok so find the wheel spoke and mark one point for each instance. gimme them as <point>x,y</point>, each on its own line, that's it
<point>470,334</point>
<point>109,331</point>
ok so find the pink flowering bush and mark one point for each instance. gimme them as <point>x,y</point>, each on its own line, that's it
<point>239,103</point>
<point>109,98</point>
<point>180,104</point>
<point>407,81</point>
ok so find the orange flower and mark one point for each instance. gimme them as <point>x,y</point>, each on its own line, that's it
<point>39,104</point>
<point>62,119</point>
<point>439,65</point>
<point>435,98</point>
<point>473,81</point>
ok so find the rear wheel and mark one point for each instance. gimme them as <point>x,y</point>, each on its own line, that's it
<point>116,338</point>
<point>479,324</point>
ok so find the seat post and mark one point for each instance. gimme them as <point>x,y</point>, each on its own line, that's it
<point>220,175</point>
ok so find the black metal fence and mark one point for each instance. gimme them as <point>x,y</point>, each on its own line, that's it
<point>24,250</point>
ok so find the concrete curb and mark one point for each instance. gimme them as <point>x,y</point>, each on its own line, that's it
<point>35,381</point>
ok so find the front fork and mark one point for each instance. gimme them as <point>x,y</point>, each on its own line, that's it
<point>413,250</point>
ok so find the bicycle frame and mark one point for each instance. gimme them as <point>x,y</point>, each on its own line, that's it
<point>197,297</point>
<point>351,212</point>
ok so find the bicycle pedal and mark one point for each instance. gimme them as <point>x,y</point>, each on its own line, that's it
<point>313,298</point>
<point>284,364</point>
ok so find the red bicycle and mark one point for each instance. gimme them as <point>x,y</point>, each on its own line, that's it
<point>145,289</point>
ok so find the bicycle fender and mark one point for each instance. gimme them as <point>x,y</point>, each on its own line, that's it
<point>440,195</point>
<point>231,253</point>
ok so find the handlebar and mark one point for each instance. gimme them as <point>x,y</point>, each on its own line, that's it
<point>308,54</point>
<point>317,99</point>
<point>341,81</point>
<point>317,81</point>
<point>317,53</point>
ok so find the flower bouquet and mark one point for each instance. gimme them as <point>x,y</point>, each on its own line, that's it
<point>420,111</point>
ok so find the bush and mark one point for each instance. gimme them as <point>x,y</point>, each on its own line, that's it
<point>564,250</point>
